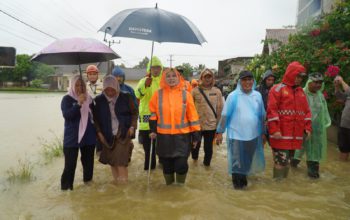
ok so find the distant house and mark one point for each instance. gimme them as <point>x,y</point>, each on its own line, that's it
<point>229,70</point>
<point>59,81</point>
<point>232,66</point>
<point>311,9</point>
<point>274,38</point>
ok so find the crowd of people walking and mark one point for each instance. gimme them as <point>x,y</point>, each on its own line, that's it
<point>173,116</point>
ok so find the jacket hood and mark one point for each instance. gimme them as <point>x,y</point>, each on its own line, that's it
<point>155,62</point>
<point>267,74</point>
<point>164,84</point>
<point>206,71</point>
<point>293,69</point>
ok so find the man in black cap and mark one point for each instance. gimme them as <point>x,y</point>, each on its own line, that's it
<point>243,117</point>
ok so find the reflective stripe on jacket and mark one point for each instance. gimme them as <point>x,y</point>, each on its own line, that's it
<point>174,111</point>
<point>288,111</point>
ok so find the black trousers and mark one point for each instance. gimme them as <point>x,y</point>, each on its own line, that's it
<point>172,165</point>
<point>70,163</point>
<point>209,136</point>
<point>146,142</point>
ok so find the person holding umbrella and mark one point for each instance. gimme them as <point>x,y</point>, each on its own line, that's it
<point>174,122</point>
<point>79,133</point>
<point>144,91</point>
<point>115,117</point>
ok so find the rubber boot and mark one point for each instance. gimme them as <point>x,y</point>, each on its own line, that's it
<point>279,174</point>
<point>237,180</point>
<point>313,169</point>
<point>286,171</point>
<point>244,180</point>
<point>294,163</point>
<point>169,178</point>
<point>180,178</point>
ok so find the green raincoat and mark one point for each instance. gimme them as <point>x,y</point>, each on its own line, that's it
<point>144,94</point>
<point>316,146</point>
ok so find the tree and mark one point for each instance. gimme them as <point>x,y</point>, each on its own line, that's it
<point>122,65</point>
<point>23,69</point>
<point>142,64</point>
<point>323,46</point>
<point>188,69</point>
<point>199,68</point>
<point>42,71</point>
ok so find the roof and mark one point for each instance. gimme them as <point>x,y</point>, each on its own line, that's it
<point>134,74</point>
<point>68,69</point>
<point>281,35</point>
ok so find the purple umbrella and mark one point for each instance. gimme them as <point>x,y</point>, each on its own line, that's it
<point>75,51</point>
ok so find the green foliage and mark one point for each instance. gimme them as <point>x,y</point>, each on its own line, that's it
<point>52,148</point>
<point>142,64</point>
<point>23,173</point>
<point>25,70</point>
<point>188,69</point>
<point>41,71</point>
<point>323,43</point>
<point>36,83</point>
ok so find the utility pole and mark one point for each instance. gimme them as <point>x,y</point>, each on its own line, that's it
<point>171,60</point>
<point>110,43</point>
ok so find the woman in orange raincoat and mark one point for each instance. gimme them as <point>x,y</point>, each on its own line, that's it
<point>174,123</point>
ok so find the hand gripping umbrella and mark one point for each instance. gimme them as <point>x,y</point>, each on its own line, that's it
<point>156,25</point>
<point>75,51</point>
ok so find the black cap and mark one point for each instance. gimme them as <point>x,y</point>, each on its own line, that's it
<point>245,73</point>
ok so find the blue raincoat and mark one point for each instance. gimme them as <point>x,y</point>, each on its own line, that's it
<point>243,119</point>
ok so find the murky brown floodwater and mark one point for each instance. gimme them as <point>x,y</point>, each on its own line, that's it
<point>208,193</point>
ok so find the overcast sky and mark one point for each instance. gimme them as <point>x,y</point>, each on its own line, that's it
<point>231,27</point>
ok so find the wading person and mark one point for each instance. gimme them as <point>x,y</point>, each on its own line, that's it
<point>79,133</point>
<point>174,123</point>
<point>94,85</point>
<point>344,129</point>
<point>119,74</point>
<point>316,146</point>
<point>243,118</point>
<point>266,84</point>
<point>144,91</point>
<point>115,121</point>
<point>209,104</point>
<point>288,118</point>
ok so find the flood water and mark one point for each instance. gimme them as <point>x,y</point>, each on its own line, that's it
<point>207,194</point>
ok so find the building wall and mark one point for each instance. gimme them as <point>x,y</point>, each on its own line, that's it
<point>307,10</point>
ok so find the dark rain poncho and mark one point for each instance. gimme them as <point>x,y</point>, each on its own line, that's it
<point>316,146</point>
<point>243,117</point>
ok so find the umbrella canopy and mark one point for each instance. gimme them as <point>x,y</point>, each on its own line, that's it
<point>75,51</point>
<point>153,24</point>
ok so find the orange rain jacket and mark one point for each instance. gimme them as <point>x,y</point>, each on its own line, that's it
<point>173,109</point>
<point>174,118</point>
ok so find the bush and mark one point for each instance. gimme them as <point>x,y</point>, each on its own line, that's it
<point>323,46</point>
<point>36,83</point>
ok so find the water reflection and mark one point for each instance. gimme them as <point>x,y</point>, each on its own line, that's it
<point>208,193</point>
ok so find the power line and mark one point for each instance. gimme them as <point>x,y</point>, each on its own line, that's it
<point>24,14</point>
<point>13,17</point>
<point>20,37</point>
